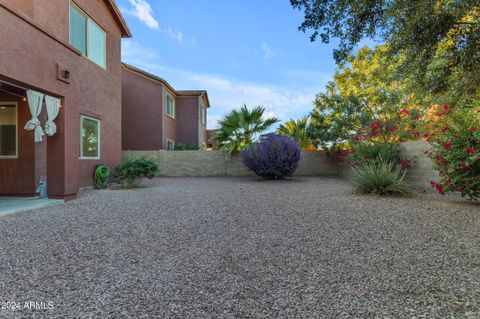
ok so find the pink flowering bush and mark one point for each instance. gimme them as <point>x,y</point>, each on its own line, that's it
<point>381,140</point>
<point>375,157</point>
<point>455,151</point>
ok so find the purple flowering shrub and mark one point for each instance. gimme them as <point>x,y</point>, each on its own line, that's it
<point>274,157</point>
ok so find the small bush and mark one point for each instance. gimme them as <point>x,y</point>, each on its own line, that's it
<point>187,147</point>
<point>133,170</point>
<point>274,157</point>
<point>389,152</point>
<point>380,177</point>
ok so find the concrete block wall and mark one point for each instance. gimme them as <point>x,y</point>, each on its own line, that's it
<point>215,163</point>
<point>312,163</point>
<point>421,172</point>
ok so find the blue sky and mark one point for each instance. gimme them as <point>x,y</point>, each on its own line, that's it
<point>240,51</point>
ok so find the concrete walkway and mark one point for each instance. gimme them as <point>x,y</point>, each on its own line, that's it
<point>12,205</point>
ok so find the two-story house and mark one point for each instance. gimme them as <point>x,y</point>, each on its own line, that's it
<point>60,93</point>
<point>156,116</point>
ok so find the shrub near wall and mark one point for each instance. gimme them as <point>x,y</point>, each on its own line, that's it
<point>456,152</point>
<point>274,157</point>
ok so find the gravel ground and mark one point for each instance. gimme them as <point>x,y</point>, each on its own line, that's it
<point>243,248</point>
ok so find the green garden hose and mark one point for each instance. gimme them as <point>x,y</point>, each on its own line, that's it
<point>100,176</point>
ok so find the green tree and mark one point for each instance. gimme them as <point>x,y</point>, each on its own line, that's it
<point>363,88</point>
<point>437,41</point>
<point>241,128</point>
<point>296,130</point>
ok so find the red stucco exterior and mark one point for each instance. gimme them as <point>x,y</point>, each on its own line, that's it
<point>145,123</point>
<point>35,42</point>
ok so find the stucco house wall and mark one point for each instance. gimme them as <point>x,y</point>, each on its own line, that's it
<point>144,97</point>
<point>37,34</point>
<point>188,126</point>
<point>169,123</point>
<point>136,92</point>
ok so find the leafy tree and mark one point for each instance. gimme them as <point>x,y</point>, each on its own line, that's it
<point>296,130</point>
<point>241,128</point>
<point>437,41</point>
<point>365,87</point>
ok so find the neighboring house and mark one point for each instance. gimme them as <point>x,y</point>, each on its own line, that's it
<point>59,61</point>
<point>210,142</point>
<point>156,116</point>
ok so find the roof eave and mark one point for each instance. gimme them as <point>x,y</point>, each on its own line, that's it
<point>120,20</point>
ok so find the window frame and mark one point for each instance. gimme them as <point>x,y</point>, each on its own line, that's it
<point>81,156</point>
<point>173,107</point>
<point>173,145</point>
<point>87,33</point>
<point>89,20</point>
<point>203,115</point>
<point>16,130</point>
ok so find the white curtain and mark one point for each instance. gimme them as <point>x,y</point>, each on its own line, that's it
<point>53,107</point>
<point>35,100</point>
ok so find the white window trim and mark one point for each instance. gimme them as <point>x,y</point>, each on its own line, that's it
<point>81,138</point>
<point>203,115</point>
<point>166,107</point>
<point>173,144</point>
<point>16,131</point>
<point>88,35</point>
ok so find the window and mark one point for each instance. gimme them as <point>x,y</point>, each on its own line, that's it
<point>78,29</point>
<point>89,138</point>
<point>203,114</point>
<point>8,130</point>
<point>96,44</point>
<point>86,36</point>
<point>170,145</point>
<point>170,106</point>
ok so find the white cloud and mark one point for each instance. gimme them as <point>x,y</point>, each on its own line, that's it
<point>225,93</point>
<point>174,34</point>
<point>212,119</point>
<point>142,10</point>
<point>132,51</point>
<point>267,51</point>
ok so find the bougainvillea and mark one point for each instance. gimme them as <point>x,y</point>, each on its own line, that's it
<point>381,139</point>
<point>456,151</point>
<point>453,134</point>
<point>274,157</point>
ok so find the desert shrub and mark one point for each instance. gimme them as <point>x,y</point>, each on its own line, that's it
<point>380,177</point>
<point>274,157</point>
<point>133,170</point>
<point>364,151</point>
<point>456,151</point>
<point>187,147</point>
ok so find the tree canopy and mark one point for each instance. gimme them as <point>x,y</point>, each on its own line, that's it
<point>296,130</point>
<point>363,88</point>
<point>436,41</point>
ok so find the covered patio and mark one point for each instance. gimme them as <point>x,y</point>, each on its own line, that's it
<point>27,119</point>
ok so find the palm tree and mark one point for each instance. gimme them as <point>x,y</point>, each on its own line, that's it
<point>297,130</point>
<point>241,128</point>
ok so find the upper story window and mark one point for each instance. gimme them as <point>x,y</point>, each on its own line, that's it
<point>203,114</point>
<point>170,106</point>
<point>86,36</point>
